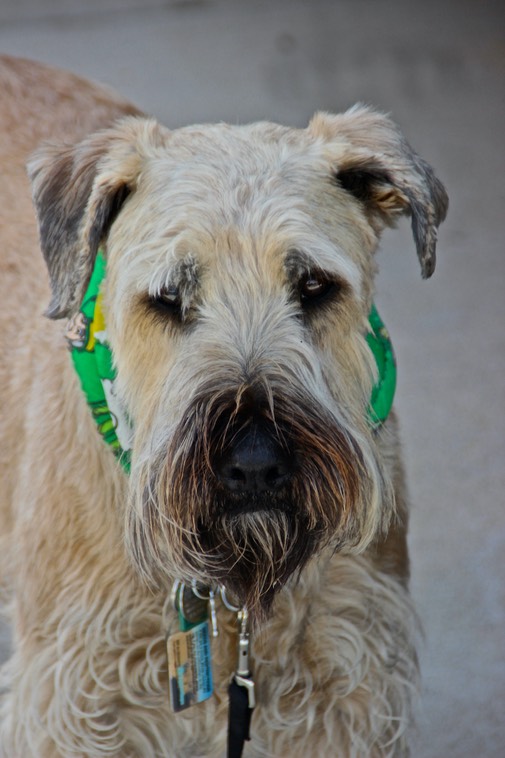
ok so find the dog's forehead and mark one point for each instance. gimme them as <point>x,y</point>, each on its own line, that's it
<point>248,140</point>
<point>202,161</point>
<point>212,187</point>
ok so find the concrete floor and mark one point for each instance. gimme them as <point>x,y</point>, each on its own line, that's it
<point>438,67</point>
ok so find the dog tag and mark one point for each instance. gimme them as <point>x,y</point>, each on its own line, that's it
<point>189,667</point>
<point>192,607</point>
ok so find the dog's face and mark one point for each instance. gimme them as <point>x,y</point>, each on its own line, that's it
<point>239,282</point>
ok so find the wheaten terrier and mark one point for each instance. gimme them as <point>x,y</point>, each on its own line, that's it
<point>201,479</point>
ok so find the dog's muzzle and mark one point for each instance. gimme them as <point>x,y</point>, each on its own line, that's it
<point>248,491</point>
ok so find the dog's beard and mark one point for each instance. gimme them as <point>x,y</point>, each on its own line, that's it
<point>251,549</point>
<point>183,523</point>
<point>253,554</point>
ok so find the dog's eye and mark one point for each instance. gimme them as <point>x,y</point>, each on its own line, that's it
<point>169,300</point>
<point>315,288</point>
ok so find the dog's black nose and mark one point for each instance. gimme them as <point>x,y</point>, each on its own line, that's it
<point>254,463</point>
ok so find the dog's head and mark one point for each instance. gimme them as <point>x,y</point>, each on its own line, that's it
<point>240,266</point>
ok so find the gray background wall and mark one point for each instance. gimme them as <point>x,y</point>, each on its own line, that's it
<point>438,68</point>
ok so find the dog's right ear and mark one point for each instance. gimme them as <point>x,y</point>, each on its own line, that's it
<point>78,191</point>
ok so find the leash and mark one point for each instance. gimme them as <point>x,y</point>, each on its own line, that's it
<point>241,695</point>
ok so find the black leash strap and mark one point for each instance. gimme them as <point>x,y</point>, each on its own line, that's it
<point>241,694</point>
<point>239,718</point>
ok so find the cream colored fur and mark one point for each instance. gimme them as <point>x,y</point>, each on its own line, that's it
<point>87,554</point>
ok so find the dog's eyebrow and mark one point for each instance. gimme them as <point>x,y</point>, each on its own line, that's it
<point>183,274</point>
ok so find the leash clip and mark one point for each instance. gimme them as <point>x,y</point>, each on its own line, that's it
<point>243,645</point>
<point>243,676</point>
<point>248,684</point>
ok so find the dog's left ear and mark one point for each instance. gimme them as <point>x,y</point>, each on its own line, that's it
<point>78,191</point>
<point>371,159</point>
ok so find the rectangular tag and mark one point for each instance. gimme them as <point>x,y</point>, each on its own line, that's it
<point>189,667</point>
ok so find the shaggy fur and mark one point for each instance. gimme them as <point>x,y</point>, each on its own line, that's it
<point>215,239</point>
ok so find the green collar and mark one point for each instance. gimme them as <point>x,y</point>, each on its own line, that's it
<point>92,358</point>
<point>383,392</point>
<point>93,362</point>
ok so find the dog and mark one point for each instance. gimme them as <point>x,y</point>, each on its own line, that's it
<point>245,467</point>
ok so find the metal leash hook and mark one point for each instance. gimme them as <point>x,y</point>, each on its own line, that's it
<point>241,694</point>
<point>243,676</point>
